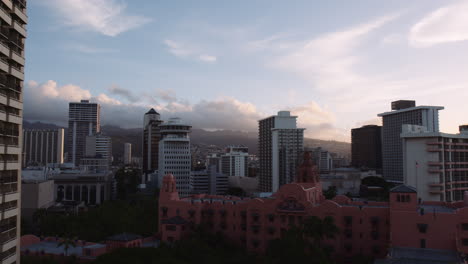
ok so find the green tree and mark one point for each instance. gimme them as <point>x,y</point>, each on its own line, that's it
<point>330,193</point>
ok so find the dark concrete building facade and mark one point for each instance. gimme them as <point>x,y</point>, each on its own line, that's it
<point>366,147</point>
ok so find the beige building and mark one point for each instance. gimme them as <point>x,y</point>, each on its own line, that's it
<point>435,163</point>
<point>36,195</point>
<point>13,19</point>
<point>42,146</point>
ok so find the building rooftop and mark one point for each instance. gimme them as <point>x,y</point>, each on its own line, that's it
<point>411,109</point>
<point>429,209</point>
<point>403,189</point>
<point>176,220</point>
<point>124,237</point>
<point>400,255</point>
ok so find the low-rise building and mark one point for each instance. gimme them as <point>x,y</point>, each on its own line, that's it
<point>366,228</point>
<point>36,194</point>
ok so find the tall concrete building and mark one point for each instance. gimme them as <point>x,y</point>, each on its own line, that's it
<point>42,146</point>
<point>234,162</point>
<point>366,147</point>
<point>127,153</point>
<point>280,146</point>
<point>13,34</point>
<point>209,181</point>
<point>435,163</point>
<point>404,113</point>
<point>151,136</point>
<point>83,120</point>
<point>174,153</point>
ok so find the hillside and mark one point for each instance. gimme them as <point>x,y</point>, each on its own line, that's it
<point>198,136</point>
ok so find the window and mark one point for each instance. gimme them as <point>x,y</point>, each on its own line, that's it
<point>422,228</point>
<point>465,241</point>
<point>465,226</point>
<point>423,243</point>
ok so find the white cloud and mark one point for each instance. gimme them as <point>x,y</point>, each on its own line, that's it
<point>89,49</point>
<point>49,102</point>
<point>446,24</point>
<point>183,50</point>
<point>207,58</point>
<point>108,17</point>
<point>177,49</point>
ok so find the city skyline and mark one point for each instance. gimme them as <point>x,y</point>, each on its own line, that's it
<point>219,66</point>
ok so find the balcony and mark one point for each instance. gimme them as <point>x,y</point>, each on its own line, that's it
<point>8,3</point>
<point>17,57</point>
<point>434,170</point>
<point>4,49</point>
<point>435,184</point>
<point>14,119</point>
<point>4,66</point>
<point>5,16</point>
<point>434,163</point>
<point>20,29</point>
<point>434,149</point>
<point>20,14</point>
<point>16,103</point>
<point>17,73</point>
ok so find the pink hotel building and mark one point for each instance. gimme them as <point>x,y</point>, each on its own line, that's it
<point>375,229</point>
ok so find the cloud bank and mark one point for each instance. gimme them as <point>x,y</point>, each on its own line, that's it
<point>48,102</point>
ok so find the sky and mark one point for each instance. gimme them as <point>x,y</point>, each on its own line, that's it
<point>227,64</point>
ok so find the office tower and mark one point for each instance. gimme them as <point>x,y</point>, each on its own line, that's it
<point>42,146</point>
<point>83,120</point>
<point>214,159</point>
<point>405,113</point>
<point>127,153</point>
<point>435,163</point>
<point>366,147</point>
<point>13,34</point>
<point>151,136</point>
<point>234,162</point>
<point>99,146</point>
<point>280,146</point>
<point>174,153</point>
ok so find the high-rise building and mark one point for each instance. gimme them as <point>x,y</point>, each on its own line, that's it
<point>127,153</point>
<point>280,146</point>
<point>366,147</point>
<point>234,162</point>
<point>435,163</point>
<point>174,153</point>
<point>13,20</point>
<point>83,120</point>
<point>151,136</point>
<point>404,114</point>
<point>42,146</point>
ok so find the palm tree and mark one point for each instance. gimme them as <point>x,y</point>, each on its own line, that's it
<point>67,242</point>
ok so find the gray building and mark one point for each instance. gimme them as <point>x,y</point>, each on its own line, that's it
<point>404,113</point>
<point>100,146</point>
<point>234,162</point>
<point>42,146</point>
<point>280,145</point>
<point>83,120</point>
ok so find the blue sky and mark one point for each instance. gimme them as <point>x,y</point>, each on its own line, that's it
<point>226,64</point>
